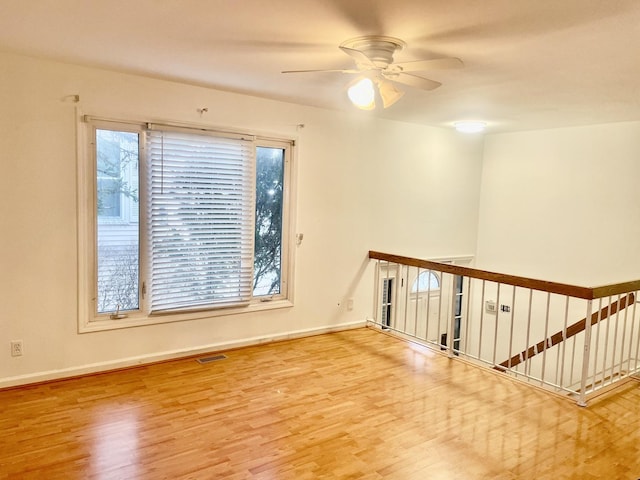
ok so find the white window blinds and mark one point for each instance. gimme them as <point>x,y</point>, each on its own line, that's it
<point>201,215</point>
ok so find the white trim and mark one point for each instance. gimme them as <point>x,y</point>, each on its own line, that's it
<point>454,259</point>
<point>91,368</point>
<point>267,135</point>
<point>144,320</point>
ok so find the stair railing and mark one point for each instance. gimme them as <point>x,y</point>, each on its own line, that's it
<point>534,330</point>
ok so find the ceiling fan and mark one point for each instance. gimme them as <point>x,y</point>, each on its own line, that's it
<point>373,56</point>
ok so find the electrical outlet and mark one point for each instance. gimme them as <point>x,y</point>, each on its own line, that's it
<point>16,348</point>
<point>350,304</point>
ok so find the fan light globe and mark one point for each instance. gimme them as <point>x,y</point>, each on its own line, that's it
<point>362,94</point>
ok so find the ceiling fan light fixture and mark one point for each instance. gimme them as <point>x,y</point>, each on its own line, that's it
<point>388,93</point>
<point>362,94</point>
<point>373,58</point>
<point>470,126</point>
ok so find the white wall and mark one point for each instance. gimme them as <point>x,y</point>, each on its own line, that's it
<point>562,204</point>
<point>362,184</point>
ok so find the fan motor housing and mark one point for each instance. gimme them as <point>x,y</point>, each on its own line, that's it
<point>378,48</point>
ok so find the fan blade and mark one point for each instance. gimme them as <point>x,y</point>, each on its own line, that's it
<point>389,93</point>
<point>423,65</point>
<point>359,57</point>
<point>414,81</point>
<point>321,71</point>
<point>271,45</point>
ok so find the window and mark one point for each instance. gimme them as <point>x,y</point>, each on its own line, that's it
<point>426,281</point>
<point>268,226</point>
<point>387,301</point>
<point>118,238</point>
<point>182,221</point>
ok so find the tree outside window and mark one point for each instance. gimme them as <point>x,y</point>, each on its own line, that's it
<point>268,228</point>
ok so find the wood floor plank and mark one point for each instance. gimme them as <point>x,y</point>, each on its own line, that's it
<point>357,404</point>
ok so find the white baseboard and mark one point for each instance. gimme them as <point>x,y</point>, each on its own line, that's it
<point>50,375</point>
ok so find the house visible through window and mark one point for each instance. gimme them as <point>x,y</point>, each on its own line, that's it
<point>117,205</point>
<point>213,212</point>
<point>113,148</point>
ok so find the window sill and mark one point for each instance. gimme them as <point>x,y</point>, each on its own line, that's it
<point>100,324</point>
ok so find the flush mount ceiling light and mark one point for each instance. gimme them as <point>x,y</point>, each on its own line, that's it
<point>373,57</point>
<point>470,126</point>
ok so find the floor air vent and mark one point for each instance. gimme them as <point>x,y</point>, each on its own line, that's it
<point>214,358</point>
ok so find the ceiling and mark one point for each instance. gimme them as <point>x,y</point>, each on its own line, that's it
<point>529,64</point>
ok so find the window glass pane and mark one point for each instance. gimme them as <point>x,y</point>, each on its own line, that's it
<point>109,173</point>
<point>387,301</point>
<point>108,197</point>
<point>117,225</point>
<point>268,227</point>
<point>426,281</point>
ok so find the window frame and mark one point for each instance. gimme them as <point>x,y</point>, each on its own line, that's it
<point>142,239</point>
<point>287,236</point>
<point>88,318</point>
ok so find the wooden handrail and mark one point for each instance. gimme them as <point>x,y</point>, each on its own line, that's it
<point>616,289</point>
<point>534,284</point>
<point>571,331</point>
<point>587,293</point>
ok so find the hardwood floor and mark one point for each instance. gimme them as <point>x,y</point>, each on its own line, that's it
<point>356,404</point>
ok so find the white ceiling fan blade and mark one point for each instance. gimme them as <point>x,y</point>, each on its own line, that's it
<point>414,81</point>
<point>359,57</point>
<point>320,71</point>
<point>388,92</point>
<point>423,65</point>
